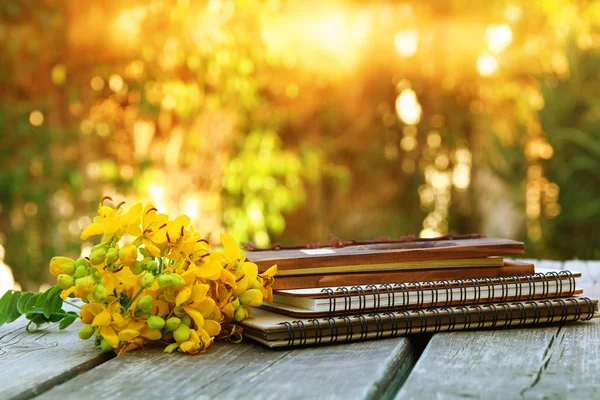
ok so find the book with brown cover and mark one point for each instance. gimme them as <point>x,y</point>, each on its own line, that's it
<point>417,275</point>
<point>384,253</point>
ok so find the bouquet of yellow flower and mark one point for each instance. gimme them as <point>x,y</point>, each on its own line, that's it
<point>164,285</point>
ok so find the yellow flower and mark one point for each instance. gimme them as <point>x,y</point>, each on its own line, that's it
<point>153,226</point>
<point>107,221</point>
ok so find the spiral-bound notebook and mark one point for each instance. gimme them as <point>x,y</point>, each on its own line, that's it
<point>366,298</point>
<point>275,330</point>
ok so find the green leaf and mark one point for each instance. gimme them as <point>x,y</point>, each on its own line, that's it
<point>31,303</point>
<point>53,301</point>
<point>66,321</point>
<point>4,306</point>
<point>56,317</point>
<point>42,299</point>
<point>11,312</point>
<point>37,319</point>
<point>23,301</point>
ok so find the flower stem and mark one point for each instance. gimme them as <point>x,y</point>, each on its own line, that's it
<point>71,304</point>
<point>135,297</point>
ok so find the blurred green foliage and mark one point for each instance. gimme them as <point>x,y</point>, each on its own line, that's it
<point>278,123</point>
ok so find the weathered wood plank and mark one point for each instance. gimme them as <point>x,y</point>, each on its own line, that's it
<point>354,370</point>
<point>31,363</point>
<point>543,362</point>
<point>538,362</point>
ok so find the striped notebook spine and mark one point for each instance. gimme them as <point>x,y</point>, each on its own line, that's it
<point>402,323</point>
<point>470,291</point>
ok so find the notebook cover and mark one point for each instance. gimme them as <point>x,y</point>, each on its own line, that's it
<point>391,277</point>
<point>397,266</point>
<point>377,253</point>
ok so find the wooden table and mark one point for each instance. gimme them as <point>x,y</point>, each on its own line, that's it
<point>544,362</point>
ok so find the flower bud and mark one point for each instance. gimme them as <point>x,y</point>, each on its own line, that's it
<point>256,285</point>
<point>85,284</point>
<point>252,297</point>
<point>105,346</point>
<point>147,280</point>
<point>182,333</point>
<point>151,266</point>
<point>128,254</point>
<point>99,246</point>
<point>165,281</point>
<point>178,311</point>
<point>100,293</point>
<point>61,265</point>
<point>186,320</point>
<point>137,267</point>
<point>97,256</point>
<point>81,262</point>
<point>178,281</point>
<point>155,322</point>
<point>172,323</point>
<point>86,332</point>
<point>112,255</point>
<point>80,272</point>
<point>240,314</point>
<point>236,304</point>
<point>65,281</point>
<point>145,303</point>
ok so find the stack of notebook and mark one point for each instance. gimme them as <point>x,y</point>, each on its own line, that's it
<point>385,288</point>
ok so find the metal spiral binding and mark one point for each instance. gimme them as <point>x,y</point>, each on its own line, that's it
<point>379,325</point>
<point>449,295</point>
<point>544,311</point>
<point>408,326</point>
<point>545,285</point>
<point>522,313</point>
<point>466,315</point>
<point>395,324</point>
<point>536,311</point>
<point>531,285</point>
<point>507,313</point>
<point>419,293</point>
<point>518,287</point>
<point>405,294</point>
<point>591,310</point>
<point>577,308</point>
<point>551,311</point>
<point>434,291</point>
<point>347,301</point>
<point>490,288</point>
<point>318,330</point>
<point>463,291</point>
<point>480,316</point>
<point>438,319</point>
<point>332,329</point>
<point>290,332</point>
<point>494,311</point>
<point>390,292</point>
<point>422,320</point>
<point>565,310</point>
<point>331,297</point>
<point>376,296</point>
<point>362,300</point>
<point>348,324</point>
<point>302,331</point>
<point>364,326</point>
<point>504,295</point>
